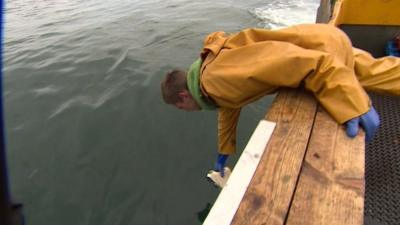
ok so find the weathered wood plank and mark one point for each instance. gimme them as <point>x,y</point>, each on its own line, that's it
<point>270,192</point>
<point>331,185</point>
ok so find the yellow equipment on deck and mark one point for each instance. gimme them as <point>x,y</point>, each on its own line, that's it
<point>371,12</point>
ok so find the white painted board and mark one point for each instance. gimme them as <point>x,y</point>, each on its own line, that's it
<point>231,195</point>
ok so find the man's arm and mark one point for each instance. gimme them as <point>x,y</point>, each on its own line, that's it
<point>227,124</point>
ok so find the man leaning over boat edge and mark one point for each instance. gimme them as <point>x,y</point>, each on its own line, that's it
<point>235,70</point>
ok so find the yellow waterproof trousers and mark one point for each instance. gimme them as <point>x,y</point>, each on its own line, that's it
<point>380,75</point>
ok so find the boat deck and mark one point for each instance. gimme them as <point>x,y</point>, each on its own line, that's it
<point>382,195</point>
<point>310,171</point>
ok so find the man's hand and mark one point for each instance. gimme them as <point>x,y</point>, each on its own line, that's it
<point>369,122</point>
<point>220,165</point>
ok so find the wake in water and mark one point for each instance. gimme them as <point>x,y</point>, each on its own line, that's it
<point>278,14</point>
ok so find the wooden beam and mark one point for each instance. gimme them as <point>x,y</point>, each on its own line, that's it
<point>269,195</point>
<point>331,185</point>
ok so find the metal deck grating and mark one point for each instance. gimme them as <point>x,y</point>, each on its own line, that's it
<point>382,165</point>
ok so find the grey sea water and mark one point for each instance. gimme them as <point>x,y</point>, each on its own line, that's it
<point>90,141</point>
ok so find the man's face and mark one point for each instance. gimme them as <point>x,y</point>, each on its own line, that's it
<point>187,102</point>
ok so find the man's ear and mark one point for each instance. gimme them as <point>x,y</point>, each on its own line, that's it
<point>184,94</point>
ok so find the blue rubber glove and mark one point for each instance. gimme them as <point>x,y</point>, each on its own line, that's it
<point>369,122</point>
<point>220,165</point>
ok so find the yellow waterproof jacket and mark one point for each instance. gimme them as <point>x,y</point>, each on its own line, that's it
<point>241,68</point>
